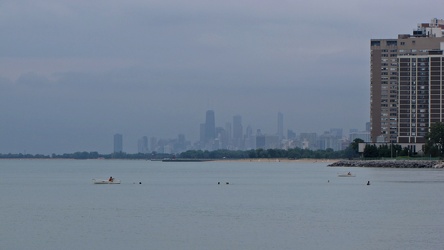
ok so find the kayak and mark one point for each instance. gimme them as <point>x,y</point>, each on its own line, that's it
<point>115,181</point>
<point>346,175</point>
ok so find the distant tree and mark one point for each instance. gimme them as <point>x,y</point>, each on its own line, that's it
<point>395,150</point>
<point>371,151</point>
<point>352,151</point>
<point>384,151</point>
<point>328,153</point>
<point>294,153</point>
<point>355,144</point>
<point>261,153</point>
<point>435,139</point>
<point>430,150</point>
<point>405,152</point>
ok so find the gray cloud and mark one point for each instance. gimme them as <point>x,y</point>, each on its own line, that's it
<point>73,73</point>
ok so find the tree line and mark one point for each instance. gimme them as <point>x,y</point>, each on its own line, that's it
<point>370,151</point>
<point>88,155</point>
<point>295,153</point>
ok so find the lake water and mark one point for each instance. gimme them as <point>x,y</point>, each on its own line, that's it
<point>52,204</point>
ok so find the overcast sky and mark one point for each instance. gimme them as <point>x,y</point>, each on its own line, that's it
<point>74,73</point>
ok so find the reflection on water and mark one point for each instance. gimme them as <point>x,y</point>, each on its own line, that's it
<point>52,204</point>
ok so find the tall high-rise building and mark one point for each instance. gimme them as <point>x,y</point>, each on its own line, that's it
<point>237,132</point>
<point>202,133</point>
<point>229,131</point>
<point>367,126</point>
<point>180,146</point>
<point>210,126</point>
<point>421,95</point>
<point>291,135</point>
<point>118,143</point>
<point>237,126</point>
<point>249,140</point>
<point>336,132</point>
<point>406,84</point>
<point>153,144</point>
<point>142,145</point>
<point>280,126</point>
<point>309,140</point>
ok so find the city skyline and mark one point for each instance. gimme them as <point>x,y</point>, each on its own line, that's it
<point>74,73</point>
<point>215,137</point>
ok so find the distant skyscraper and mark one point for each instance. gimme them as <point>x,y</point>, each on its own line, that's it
<point>291,135</point>
<point>267,141</point>
<point>336,132</point>
<point>142,145</point>
<point>260,141</point>
<point>229,131</point>
<point>309,140</point>
<point>181,139</point>
<point>280,126</point>
<point>153,144</point>
<point>237,131</point>
<point>202,133</point>
<point>221,138</point>
<point>118,143</point>
<point>330,139</point>
<point>250,139</point>
<point>363,135</point>
<point>210,126</point>
<point>181,143</point>
<point>353,130</point>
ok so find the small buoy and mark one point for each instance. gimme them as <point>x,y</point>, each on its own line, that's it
<point>218,183</point>
<point>227,183</point>
<point>140,182</point>
<point>368,183</point>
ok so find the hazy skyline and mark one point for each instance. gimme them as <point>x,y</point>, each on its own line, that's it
<point>74,73</point>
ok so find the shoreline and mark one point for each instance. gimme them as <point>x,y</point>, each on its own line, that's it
<point>305,160</point>
<point>436,164</point>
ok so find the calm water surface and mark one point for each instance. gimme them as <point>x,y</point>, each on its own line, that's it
<point>52,204</point>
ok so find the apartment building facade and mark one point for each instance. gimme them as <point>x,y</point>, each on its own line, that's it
<point>406,84</point>
<point>421,95</point>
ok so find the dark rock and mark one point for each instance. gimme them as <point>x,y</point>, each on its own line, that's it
<point>387,163</point>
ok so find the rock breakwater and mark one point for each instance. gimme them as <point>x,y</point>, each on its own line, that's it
<point>389,163</point>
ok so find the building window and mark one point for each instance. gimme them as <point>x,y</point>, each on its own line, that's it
<point>375,43</point>
<point>392,43</point>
